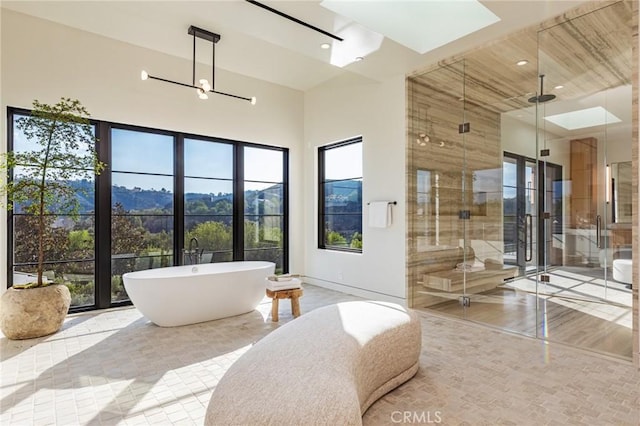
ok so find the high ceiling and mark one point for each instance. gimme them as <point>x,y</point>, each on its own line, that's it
<point>586,63</point>
<point>263,45</point>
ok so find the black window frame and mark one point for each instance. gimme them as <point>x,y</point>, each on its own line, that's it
<point>322,216</point>
<point>235,251</point>
<point>103,200</point>
<point>543,169</point>
<point>284,215</point>
<point>98,128</point>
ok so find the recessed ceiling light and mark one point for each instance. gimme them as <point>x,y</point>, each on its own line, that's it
<point>325,45</point>
<point>583,118</point>
<point>359,58</point>
<point>559,86</point>
<point>522,62</point>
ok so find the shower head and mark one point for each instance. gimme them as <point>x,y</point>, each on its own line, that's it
<point>542,98</point>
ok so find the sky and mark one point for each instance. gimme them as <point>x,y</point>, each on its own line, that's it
<point>344,162</point>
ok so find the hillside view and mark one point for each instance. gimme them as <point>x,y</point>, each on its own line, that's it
<point>142,232</point>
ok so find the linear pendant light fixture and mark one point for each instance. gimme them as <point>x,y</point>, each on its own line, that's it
<point>204,86</point>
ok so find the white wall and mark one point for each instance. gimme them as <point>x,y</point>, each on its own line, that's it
<point>45,61</point>
<point>520,138</point>
<point>337,110</point>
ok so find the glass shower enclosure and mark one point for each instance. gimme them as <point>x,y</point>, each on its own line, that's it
<point>519,158</point>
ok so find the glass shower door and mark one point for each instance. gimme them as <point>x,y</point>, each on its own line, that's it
<point>499,212</point>
<point>436,196</point>
<point>584,128</point>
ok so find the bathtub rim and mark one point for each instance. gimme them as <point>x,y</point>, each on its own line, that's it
<point>184,271</point>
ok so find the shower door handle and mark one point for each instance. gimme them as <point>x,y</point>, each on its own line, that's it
<point>528,237</point>
<point>598,231</point>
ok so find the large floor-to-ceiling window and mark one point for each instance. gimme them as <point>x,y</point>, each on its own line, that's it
<point>142,208</point>
<point>208,201</point>
<point>165,199</point>
<point>69,247</point>
<point>264,205</point>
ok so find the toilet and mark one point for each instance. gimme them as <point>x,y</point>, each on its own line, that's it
<point>623,270</point>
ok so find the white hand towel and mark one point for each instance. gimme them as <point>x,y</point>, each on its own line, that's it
<point>379,214</point>
<point>293,283</point>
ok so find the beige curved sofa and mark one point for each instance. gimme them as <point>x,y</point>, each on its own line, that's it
<point>326,367</point>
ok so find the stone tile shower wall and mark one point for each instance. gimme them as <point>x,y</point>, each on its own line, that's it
<point>454,184</point>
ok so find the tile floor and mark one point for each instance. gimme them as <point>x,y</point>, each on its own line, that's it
<point>114,367</point>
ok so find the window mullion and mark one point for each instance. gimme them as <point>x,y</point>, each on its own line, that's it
<point>103,221</point>
<point>178,200</point>
<point>238,202</point>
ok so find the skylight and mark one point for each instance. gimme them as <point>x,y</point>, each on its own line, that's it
<point>358,43</point>
<point>420,25</point>
<point>582,118</point>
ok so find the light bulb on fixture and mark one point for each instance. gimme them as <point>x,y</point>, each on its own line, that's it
<point>325,46</point>
<point>205,84</point>
<point>202,94</point>
<point>144,75</point>
<point>423,139</point>
<point>253,100</point>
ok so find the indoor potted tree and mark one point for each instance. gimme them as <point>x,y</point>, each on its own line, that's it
<point>61,145</point>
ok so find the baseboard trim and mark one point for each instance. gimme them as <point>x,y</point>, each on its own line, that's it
<point>355,291</point>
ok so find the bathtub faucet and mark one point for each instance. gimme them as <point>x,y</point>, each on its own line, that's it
<point>191,241</point>
<point>194,254</point>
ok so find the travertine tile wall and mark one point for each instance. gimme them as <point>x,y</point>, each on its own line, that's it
<point>448,173</point>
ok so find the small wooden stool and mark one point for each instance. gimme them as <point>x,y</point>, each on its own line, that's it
<point>276,295</point>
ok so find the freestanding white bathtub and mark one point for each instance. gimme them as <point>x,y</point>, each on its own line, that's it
<point>181,295</point>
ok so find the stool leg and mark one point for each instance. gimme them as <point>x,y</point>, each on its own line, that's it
<point>274,310</point>
<point>295,306</point>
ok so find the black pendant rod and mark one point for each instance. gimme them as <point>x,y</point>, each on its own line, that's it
<point>194,60</point>
<point>296,20</point>
<point>213,67</point>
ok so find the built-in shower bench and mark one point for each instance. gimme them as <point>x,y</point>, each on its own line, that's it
<point>438,271</point>
<point>328,366</point>
<point>454,280</point>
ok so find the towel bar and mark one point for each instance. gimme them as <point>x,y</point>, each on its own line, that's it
<point>390,202</point>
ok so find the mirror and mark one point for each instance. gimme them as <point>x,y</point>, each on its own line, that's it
<point>621,184</point>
